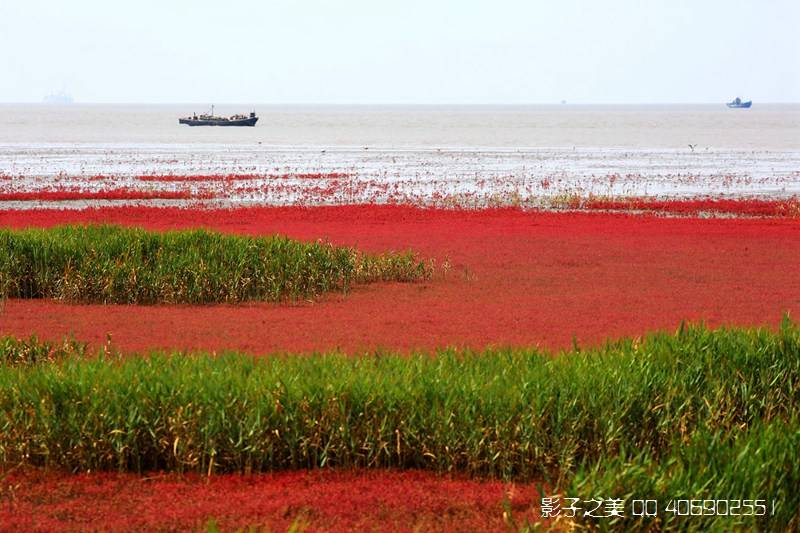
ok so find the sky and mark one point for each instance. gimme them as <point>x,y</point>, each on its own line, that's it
<point>402,52</point>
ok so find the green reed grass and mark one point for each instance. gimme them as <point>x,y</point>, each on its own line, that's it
<point>112,264</point>
<point>757,463</point>
<point>700,414</point>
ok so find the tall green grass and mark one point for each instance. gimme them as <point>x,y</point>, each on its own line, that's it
<point>758,462</point>
<point>698,414</point>
<point>112,264</point>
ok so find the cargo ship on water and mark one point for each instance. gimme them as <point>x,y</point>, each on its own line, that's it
<point>213,120</point>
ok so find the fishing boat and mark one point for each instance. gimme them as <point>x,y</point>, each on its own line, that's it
<point>213,120</point>
<point>738,104</point>
<point>60,98</point>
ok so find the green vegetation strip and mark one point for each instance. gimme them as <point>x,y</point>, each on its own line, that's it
<point>112,264</point>
<point>700,414</point>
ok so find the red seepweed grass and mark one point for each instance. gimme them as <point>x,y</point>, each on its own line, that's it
<point>693,206</point>
<point>120,193</point>
<point>40,500</point>
<point>516,278</point>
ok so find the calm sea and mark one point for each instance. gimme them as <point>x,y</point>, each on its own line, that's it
<point>763,127</point>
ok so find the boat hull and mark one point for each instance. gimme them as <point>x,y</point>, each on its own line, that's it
<point>250,121</point>
<point>743,105</point>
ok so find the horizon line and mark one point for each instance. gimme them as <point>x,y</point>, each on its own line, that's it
<point>385,104</point>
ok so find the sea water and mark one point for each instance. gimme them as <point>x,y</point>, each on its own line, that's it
<point>413,153</point>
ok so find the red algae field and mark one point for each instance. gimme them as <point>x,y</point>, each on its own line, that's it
<point>510,278</point>
<point>329,500</point>
<point>477,177</point>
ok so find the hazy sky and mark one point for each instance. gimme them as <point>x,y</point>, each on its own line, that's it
<point>407,51</point>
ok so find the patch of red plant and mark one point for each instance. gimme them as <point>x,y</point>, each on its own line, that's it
<point>740,207</point>
<point>122,193</point>
<point>516,278</point>
<point>36,500</point>
<point>243,177</point>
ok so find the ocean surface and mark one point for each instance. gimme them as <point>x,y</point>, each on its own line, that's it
<point>430,155</point>
<point>763,127</point>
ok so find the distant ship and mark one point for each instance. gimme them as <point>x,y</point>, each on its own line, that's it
<point>60,98</point>
<point>737,103</point>
<point>213,120</point>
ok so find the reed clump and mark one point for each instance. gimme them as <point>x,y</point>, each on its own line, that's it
<point>706,413</point>
<point>113,264</point>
